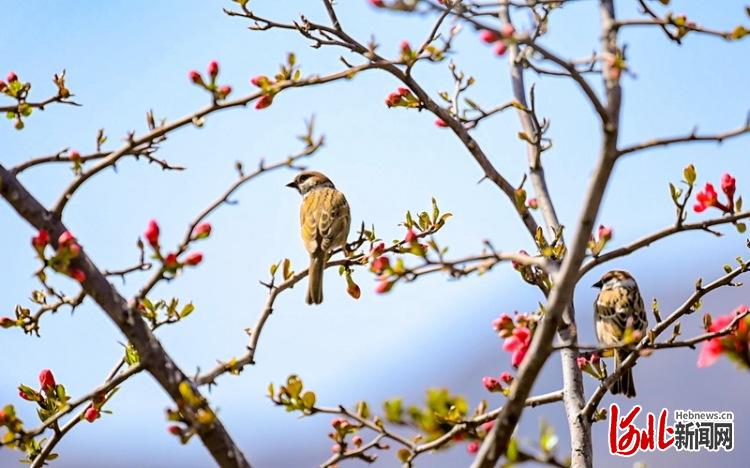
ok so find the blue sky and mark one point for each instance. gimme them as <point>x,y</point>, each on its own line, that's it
<point>124,58</point>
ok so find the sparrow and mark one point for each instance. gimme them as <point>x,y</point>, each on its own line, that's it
<point>618,313</point>
<point>324,224</point>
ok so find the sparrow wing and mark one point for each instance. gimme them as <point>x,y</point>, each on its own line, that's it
<point>616,310</point>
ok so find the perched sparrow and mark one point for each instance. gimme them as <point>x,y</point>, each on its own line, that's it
<point>324,222</point>
<point>618,313</point>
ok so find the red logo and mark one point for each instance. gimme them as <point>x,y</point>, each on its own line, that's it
<point>625,439</point>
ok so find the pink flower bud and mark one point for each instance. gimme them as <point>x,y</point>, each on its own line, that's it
<point>440,123</point>
<point>502,322</point>
<point>357,441</point>
<point>487,427</point>
<point>336,448</point>
<point>3,86</point>
<point>380,264</point>
<point>582,362</point>
<point>532,203</point>
<point>152,233</point>
<point>46,379</point>
<point>605,232</point>
<point>91,414</point>
<point>377,249</point>
<point>202,231</point>
<point>383,286</point>
<point>594,359</point>
<point>405,47</point>
<point>377,3</point>
<point>11,77</point>
<point>259,80</point>
<point>411,237</point>
<point>500,48</point>
<point>472,447</point>
<point>194,258</point>
<point>403,91</point>
<point>213,68</point>
<point>507,31</point>
<point>265,101</point>
<point>506,377</point>
<point>65,239</point>
<point>75,156</point>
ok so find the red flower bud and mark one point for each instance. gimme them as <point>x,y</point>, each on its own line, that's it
<point>75,156</point>
<point>403,91</point>
<point>194,258</point>
<point>506,377</point>
<point>2,417</point>
<point>202,231</point>
<point>706,198</point>
<point>3,86</point>
<point>393,99</point>
<point>25,396</point>
<point>224,90</point>
<point>77,274</point>
<point>41,239</point>
<point>46,379</point>
<point>441,123</point>
<point>380,264</point>
<point>195,77</point>
<point>491,384</point>
<point>259,80</point>
<point>170,261</point>
<point>532,203</point>
<point>91,414</point>
<point>502,322</point>
<point>500,48</point>
<point>488,37</point>
<point>605,232</point>
<point>336,448</point>
<point>472,447</point>
<point>728,185</point>
<point>411,237</point>
<point>357,441</point>
<point>594,359</point>
<point>405,47</point>
<point>152,233</point>
<point>377,249</point>
<point>176,430</point>
<point>265,101</point>
<point>65,239</point>
<point>7,322</point>
<point>377,3</point>
<point>213,68</point>
<point>12,77</point>
<point>487,427</point>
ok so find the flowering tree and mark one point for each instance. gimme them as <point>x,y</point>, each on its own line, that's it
<point>561,259</point>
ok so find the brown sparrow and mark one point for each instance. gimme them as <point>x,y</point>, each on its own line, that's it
<point>619,314</point>
<point>324,223</point>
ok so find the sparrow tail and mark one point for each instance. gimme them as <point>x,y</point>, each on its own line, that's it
<point>624,384</point>
<point>315,277</point>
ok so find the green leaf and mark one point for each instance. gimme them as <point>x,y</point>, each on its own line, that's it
<point>741,228</point>
<point>689,174</point>
<point>308,398</point>
<point>187,310</point>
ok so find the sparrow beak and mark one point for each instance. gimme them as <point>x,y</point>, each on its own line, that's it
<point>598,284</point>
<point>292,184</point>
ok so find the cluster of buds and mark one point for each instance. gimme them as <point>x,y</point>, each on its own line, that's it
<point>263,82</point>
<point>499,39</point>
<point>429,51</point>
<point>735,345</point>
<point>16,89</point>
<point>402,97</point>
<point>516,334</point>
<point>192,412</point>
<point>380,264</point>
<point>495,384</point>
<point>67,250</point>
<point>171,263</point>
<point>51,396</point>
<point>341,429</point>
<point>603,235</point>
<point>708,197</point>
<point>591,364</point>
<point>218,91</point>
<point>481,432</point>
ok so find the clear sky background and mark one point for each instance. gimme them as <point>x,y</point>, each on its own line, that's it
<point>124,58</point>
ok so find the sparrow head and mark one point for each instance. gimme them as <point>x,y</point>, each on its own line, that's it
<point>306,181</point>
<point>615,278</point>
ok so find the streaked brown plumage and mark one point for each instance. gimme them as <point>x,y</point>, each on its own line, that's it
<point>324,224</point>
<point>617,309</point>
